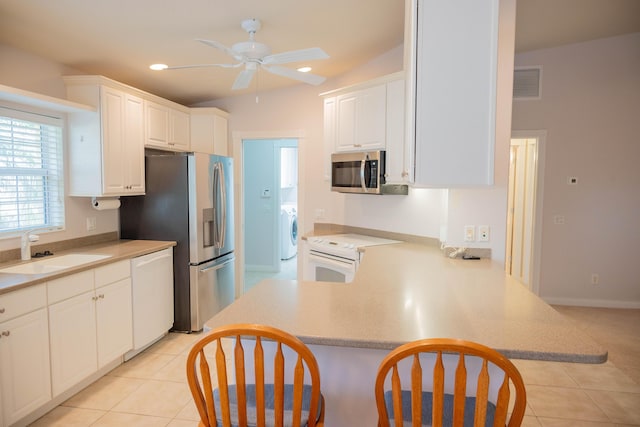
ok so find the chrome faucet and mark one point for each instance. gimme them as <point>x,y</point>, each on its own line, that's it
<point>25,244</point>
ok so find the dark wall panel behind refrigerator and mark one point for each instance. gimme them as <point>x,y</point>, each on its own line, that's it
<point>163,214</point>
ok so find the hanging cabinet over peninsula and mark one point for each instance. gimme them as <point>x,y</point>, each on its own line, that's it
<point>453,60</point>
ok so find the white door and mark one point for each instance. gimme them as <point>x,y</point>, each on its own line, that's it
<point>521,214</point>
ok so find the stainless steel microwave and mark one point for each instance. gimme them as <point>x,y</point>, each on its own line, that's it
<point>358,172</point>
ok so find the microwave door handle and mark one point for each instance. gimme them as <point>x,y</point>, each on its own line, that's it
<point>363,162</point>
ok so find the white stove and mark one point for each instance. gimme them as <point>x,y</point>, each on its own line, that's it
<point>335,258</point>
<point>345,244</point>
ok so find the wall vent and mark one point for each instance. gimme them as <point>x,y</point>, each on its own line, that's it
<point>526,83</point>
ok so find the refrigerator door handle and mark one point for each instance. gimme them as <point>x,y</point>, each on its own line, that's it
<point>216,267</point>
<point>221,202</point>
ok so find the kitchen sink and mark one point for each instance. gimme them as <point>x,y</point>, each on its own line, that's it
<point>51,265</point>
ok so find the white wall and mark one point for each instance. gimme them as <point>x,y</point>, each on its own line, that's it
<point>28,72</point>
<point>590,108</point>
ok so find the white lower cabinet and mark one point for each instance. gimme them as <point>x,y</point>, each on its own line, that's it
<point>113,321</point>
<point>73,341</point>
<point>55,335</point>
<point>91,324</point>
<point>24,365</point>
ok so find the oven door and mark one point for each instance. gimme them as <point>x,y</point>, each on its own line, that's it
<point>324,267</point>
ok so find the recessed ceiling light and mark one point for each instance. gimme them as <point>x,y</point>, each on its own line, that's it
<point>304,69</point>
<point>159,67</point>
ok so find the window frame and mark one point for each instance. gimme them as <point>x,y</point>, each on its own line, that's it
<point>55,197</point>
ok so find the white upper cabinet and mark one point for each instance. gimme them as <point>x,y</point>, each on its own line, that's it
<point>369,116</point>
<point>106,152</point>
<point>209,131</point>
<point>399,161</point>
<point>453,48</point>
<point>329,130</point>
<point>360,119</point>
<point>168,127</point>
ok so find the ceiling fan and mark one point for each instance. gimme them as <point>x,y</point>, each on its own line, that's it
<point>252,54</point>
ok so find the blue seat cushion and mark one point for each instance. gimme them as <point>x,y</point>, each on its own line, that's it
<point>427,408</point>
<point>269,405</point>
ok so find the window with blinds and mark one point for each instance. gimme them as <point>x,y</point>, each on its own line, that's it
<point>31,172</point>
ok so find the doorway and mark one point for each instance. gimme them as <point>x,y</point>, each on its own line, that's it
<point>270,200</point>
<point>525,208</point>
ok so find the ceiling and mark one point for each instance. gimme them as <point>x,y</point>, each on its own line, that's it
<point>121,38</point>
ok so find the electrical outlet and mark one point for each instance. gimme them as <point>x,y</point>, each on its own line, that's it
<point>595,279</point>
<point>469,233</point>
<point>483,233</point>
<point>91,223</point>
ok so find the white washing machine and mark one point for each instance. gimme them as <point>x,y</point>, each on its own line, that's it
<point>289,235</point>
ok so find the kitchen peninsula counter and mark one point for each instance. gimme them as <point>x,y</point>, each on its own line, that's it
<point>116,249</point>
<point>406,291</point>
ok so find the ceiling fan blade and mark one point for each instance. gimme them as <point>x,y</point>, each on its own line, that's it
<point>178,67</point>
<point>243,79</point>
<point>218,45</point>
<point>311,79</point>
<point>310,54</point>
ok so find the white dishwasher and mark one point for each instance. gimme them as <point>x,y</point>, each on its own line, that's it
<point>152,291</point>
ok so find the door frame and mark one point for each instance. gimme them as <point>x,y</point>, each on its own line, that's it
<point>238,137</point>
<point>536,252</point>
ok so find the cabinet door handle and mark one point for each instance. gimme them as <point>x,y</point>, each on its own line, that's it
<point>2,310</point>
<point>101,296</point>
<point>6,333</point>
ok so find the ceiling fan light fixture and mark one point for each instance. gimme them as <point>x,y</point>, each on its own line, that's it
<point>254,55</point>
<point>158,67</point>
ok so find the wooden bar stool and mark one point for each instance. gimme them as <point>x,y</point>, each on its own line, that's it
<point>470,386</point>
<point>259,388</point>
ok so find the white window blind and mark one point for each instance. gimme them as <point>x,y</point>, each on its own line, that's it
<point>31,172</point>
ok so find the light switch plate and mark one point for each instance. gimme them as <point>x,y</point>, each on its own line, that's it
<point>469,233</point>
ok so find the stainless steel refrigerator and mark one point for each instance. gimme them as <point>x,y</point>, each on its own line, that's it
<point>189,199</point>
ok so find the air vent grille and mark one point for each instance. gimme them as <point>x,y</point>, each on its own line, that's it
<point>526,83</point>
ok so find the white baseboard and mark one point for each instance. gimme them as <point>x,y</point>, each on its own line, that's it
<point>578,302</point>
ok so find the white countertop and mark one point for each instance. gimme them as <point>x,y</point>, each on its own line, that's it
<point>403,292</point>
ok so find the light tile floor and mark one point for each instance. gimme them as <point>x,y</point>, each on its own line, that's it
<point>151,389</point>
<point>288,271</point>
